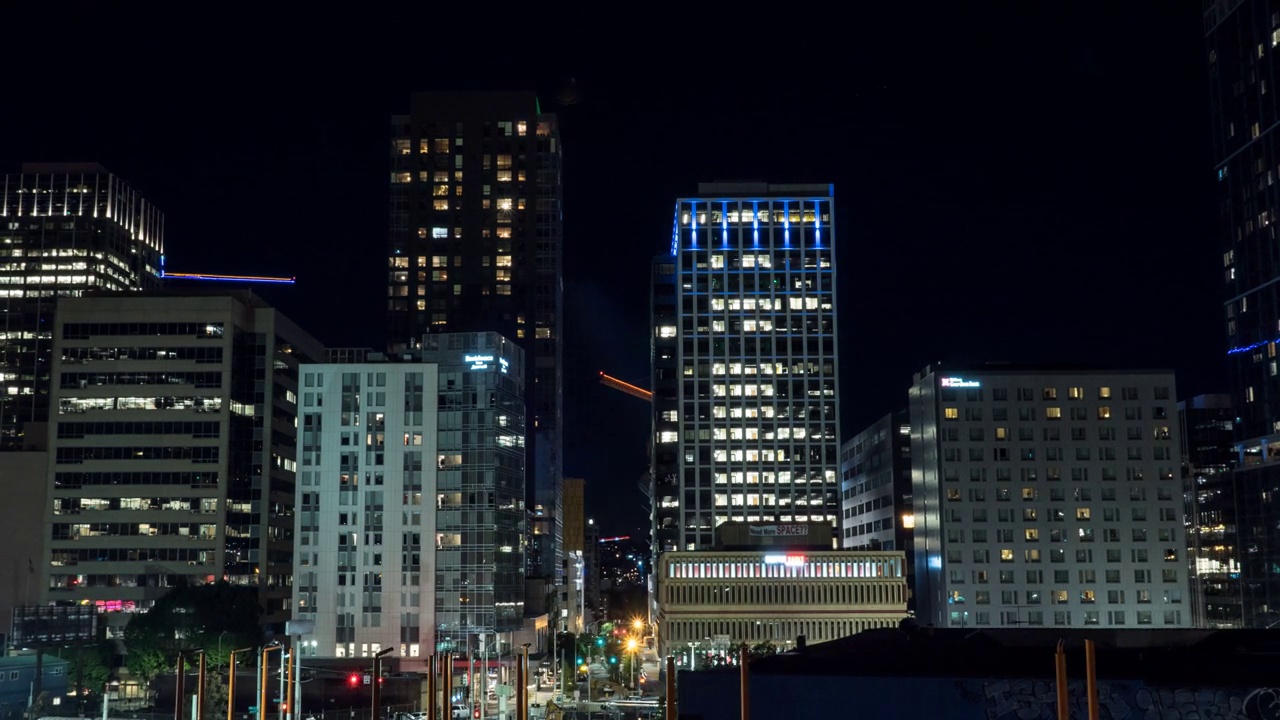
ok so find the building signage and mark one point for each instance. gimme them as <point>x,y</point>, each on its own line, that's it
<point>955,382</point>
<point>779,530</point>
<point>484,362</point>
<point>788,560</point>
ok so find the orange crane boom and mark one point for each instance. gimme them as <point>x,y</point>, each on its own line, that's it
<point>626,387</point>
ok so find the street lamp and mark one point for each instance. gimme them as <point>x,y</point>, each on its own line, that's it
<point>633,647</point>
<point>377,683</point>
<point>231,681</point>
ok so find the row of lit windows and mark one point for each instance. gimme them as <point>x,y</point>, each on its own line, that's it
<point>744,215</point>
<point>845,594</point>
<point>1165,534</point>
<point>1050,393</point>
<point>1059,555</point>
<point>1103,412</point>
<point>85,404</point>
<point>784,566</point>
<point>1086,596</point>
<point>959,618</point>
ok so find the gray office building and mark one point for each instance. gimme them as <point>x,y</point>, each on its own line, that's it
<point>172,448</point>
<point>1048,497</point>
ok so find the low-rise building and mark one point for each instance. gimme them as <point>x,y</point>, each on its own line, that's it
<point>711,600</point>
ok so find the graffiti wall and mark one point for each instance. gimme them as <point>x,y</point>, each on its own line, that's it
<point>714,696</point>
<point>1036,700</point>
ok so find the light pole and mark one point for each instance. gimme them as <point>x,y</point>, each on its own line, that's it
<point>262,678</point>
<point>633,647</point>
<point>231,681</point>
<point>377,680</point>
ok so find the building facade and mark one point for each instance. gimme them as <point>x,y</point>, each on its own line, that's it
<point>716,599</point>
<point>476,246</point>
<point>480,530</point>
<point>745,424</point>
<point>875,487</point>
<point>1243,58</point>
<point>172,450</point>
<point>410,519</point>
<point>64,228</point>
<point>1208,424</point>
<point>1048,497</point>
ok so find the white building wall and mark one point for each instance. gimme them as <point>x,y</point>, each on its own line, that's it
<point>320,591</point>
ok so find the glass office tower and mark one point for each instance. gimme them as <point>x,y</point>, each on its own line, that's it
<point>64,228</point>
<point>746,424</point>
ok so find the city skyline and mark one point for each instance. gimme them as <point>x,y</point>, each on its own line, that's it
<point>948,221</point>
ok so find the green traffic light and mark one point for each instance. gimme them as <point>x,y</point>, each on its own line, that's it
<point>613,660</point>
<point>599,642</point>
<point>579,661</point>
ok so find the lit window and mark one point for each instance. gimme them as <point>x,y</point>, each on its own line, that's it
<point>1075,393</point>
<point>440,204</point>
<point>666,331</point>
<point>951,413</point>
<point>504,289</point>
<point>667,436</point>
<point>1053,413</point>
<point>401,177</point>
<point>1104,413</point>
<point>1104,393</point>
<point>439,232</point>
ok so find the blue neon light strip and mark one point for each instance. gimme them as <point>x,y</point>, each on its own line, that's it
<point>1247,348</point>
<point>230,278</point>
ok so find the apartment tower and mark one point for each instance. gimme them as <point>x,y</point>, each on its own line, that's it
<point>476,246</point>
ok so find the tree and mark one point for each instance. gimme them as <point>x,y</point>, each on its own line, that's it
<point>215,618</point>
<point>764,649</point>
<point>90,667</point>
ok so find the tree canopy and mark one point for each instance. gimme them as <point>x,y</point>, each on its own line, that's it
<point>215,618</point>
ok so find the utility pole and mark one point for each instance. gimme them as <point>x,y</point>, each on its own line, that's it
<point>262,679</point>
<point>179,689</point>
<point>377,681</point>
<point>231,682</point>
<point>200,689</point>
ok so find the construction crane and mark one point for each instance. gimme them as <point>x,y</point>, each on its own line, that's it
<point>626,387</point>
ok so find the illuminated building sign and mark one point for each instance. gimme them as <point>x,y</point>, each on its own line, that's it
<point>788,560</point>
<point>484,362</point>
<point>778,530</point>
<point>955,382</point>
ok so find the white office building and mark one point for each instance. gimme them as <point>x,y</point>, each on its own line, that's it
<point>1046,497</point>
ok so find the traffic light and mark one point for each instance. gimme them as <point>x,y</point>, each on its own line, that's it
<point>613,660</point>
<point>476,713</point>
<point>579,659</point>
<point>353,680</point>
<point>599,642</point>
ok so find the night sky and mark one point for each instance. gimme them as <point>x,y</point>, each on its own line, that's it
<point>1027,183</point>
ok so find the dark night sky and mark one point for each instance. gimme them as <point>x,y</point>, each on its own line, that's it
<point>1027,182</point>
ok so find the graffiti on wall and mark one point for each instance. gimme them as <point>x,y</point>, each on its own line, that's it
<point>1037,700</point>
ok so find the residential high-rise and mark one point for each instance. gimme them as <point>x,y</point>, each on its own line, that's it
<point>1243,52</point>
<point>1208,422</point>
<point>172,447</point>
<point>64,228</point>
<point>745,414</point>
<point>875,489</point>
<point>410,496</point>
<point>1047,497</point>
<point>476,246</point>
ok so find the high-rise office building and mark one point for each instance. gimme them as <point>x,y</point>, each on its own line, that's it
<point>875,489</point>
<point>416,466</point>
<point>1243,53</point>
<point>475,246</point>
<point>481,480</point>
<point>1208,424</point>
<point>745,414</point>
<point>64,228</point>
<point>1048,497</point>
<point>172,447</point>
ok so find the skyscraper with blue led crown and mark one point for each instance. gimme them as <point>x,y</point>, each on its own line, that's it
<point>745,424</point>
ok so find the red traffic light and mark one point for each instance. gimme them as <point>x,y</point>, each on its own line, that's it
<point>353,680</point>
<point>476,713</point>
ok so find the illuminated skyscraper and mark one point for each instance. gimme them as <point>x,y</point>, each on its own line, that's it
<point>475,246</point>
<point>744,330</point>
<point>1243,54</point>
<point>64,228</point>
